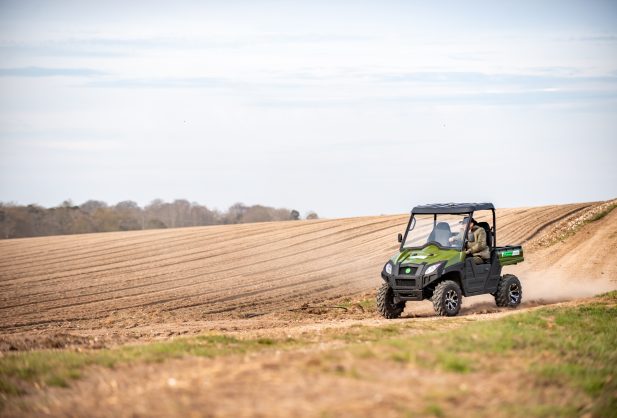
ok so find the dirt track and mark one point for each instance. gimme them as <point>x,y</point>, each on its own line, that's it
<point>158,283</point>
<point>254,280</point>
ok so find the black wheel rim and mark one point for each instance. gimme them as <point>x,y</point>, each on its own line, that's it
<point>514,293</point>
<point>451,300</point>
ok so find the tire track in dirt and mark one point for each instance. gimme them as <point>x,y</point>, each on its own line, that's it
<point>531,223</point>
<point>552,222</point>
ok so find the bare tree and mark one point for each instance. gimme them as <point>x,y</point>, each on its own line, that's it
<point>257,213</point>
<point>97,216</point>
<point>129,215</point>
<point>92,206</point>
<point>235,213</point>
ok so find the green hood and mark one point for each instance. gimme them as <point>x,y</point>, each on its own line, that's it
<point>429,255</point>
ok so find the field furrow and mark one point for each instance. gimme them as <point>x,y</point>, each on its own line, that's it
<point>98,280</point>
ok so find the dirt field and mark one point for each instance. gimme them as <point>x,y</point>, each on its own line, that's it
<point>156,284</point>
<point>272,279</point>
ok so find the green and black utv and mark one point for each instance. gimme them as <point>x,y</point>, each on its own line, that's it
<point>432,262</point>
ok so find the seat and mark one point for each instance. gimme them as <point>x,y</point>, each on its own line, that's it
<point>441,234</point>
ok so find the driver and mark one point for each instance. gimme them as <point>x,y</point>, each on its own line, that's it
<point>477,248</point>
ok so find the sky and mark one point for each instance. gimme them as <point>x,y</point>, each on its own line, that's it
<point>346,108</point>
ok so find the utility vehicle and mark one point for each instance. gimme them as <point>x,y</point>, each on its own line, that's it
<point>432,263</point>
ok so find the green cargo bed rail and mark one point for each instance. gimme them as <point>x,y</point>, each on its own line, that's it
<point>510,254</point>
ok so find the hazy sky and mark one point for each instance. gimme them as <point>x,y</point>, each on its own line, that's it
<point>342,107</point>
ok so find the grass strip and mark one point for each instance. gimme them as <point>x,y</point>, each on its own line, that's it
<point>574,346</point>
<point>59,367</point>
<point>602,213</point>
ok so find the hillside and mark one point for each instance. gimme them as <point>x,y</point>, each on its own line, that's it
<point>278,319</point>
<point>158,281</point>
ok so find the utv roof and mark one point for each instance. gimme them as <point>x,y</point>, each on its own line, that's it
<point>452,207</point>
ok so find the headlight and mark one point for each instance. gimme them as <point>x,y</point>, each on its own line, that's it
<point>432,269</point>
<point>389,268</point>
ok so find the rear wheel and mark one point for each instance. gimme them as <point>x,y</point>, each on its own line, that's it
<point>447,298</point>
<point>509,292</point>
<point>385,302</point>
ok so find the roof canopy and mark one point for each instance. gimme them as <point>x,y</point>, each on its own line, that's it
<point>452,207</point>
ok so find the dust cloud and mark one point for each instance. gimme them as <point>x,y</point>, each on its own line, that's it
<point>553,285</point>
<point>543,287</point>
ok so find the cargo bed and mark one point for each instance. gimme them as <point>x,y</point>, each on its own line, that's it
<point>510,254</point>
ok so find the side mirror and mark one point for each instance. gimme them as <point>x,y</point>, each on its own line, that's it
<point>400,237</point>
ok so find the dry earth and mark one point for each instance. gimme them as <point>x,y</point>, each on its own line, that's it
<point>156,284</point>
<point>271,279</point>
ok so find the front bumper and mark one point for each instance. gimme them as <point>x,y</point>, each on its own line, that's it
<point>409,286</point>
<point>404,286</point>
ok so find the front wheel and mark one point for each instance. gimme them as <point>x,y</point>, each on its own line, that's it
<point>509,292</point>
<point>447,298</point>
<point>385,302</point>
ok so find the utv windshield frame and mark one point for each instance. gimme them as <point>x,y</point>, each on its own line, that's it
<point>459,247</point>
<point>463,209</point>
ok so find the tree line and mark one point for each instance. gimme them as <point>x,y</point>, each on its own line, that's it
<point>18,221</point>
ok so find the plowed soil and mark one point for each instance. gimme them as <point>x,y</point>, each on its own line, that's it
<point>277,280</point>
<point>109,288</point>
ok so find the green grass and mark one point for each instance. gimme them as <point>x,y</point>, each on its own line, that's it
<point>59,367</point>
<point>434,410</point>
<point>610,296</point>
<point>366,305</point>
<point>574,347</point>
<point>603,213</point>
<point>571,347</point>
